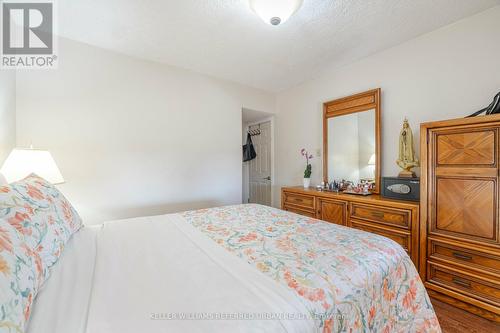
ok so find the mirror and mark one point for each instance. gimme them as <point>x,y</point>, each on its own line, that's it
<point>351,147</point>
<point>351,139</point>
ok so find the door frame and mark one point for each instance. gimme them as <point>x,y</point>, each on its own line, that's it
<point>270,119</point>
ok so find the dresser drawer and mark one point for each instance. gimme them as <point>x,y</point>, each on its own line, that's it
<point>451,277</point>
<point>390,216</point>
<point>399,236</point>
<point>300,212</point>
<point>468,258</point>
<point>299,200</point>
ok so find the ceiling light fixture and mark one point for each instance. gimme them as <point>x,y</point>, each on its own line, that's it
<point>275,12</point>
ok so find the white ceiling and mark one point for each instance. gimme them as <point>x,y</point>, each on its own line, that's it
<point>225,39</point>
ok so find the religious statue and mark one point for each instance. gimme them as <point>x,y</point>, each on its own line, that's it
<point>406,159</point>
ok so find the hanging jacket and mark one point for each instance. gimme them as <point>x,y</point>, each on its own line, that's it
<point>248,150</point>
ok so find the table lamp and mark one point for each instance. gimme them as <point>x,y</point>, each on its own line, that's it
<point>22,162</point>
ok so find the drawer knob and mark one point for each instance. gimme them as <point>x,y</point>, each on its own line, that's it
<point>461,256</point>
<point>461,282</point>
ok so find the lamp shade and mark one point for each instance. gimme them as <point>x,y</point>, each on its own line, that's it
<point>275,12</point>
<point>372,160</point>
<point>3,181</point>
<point>22,162</point>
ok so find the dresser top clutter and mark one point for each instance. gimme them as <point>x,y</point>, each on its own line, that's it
<point>369,199</point>
<point>452,232</point>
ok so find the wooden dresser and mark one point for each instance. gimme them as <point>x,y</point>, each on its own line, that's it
<point>394,219</point>
<point>460,234</point>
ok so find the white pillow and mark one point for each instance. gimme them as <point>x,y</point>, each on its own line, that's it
<point>3,181</point>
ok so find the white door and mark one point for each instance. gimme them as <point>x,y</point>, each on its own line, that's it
<point>260,167</point>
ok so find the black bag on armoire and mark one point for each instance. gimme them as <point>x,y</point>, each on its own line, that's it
<point>248,150</point>
<point>493,108</point>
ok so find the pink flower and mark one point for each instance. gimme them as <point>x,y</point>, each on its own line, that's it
<point>371,315</point>
<point>37,259</point>
<point>4,267</point>
<point>68,214</point>
<point>34,192</point>
<point>328,326</point>
<point>29,209</point>
<point>410,295</point>
<point>285,244</point>
<point>18,222</point>
<point>248,238</point>
<point>5,241</point>
<point>27,309</point>
<point>388,294</point>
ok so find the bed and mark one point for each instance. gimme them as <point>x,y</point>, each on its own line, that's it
<point>243,268</point>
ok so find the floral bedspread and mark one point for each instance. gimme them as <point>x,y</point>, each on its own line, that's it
<point>349,280</point>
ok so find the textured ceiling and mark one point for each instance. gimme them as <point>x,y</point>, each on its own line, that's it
<point>225,39</point>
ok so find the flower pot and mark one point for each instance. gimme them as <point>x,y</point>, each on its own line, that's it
<point>307,182</point>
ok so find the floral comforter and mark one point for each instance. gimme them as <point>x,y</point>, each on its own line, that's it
<point>349,280</point>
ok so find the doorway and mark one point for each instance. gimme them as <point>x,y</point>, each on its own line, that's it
<point>258,172</point>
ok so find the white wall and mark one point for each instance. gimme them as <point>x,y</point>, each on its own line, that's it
<point>7,112</point>
<point>133,137</point>
<point>448,73</point>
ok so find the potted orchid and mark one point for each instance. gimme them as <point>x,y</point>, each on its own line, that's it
<point>308,170</point>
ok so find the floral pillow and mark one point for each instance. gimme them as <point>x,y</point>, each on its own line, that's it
<point>18,280</point>
<point>43,216</point>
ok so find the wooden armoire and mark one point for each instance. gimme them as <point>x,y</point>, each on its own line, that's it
<point>459,229</point>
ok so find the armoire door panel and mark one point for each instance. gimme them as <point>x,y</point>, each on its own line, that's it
<point>333,211</point>
<point>467,148</point>
<point>466,207</point>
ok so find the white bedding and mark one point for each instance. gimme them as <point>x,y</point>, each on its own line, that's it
<point>131,275</point>
<point>62,303</point>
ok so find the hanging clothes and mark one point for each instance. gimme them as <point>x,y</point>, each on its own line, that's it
<point>249,150</point>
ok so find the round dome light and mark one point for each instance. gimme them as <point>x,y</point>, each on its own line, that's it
<point>275,12</point>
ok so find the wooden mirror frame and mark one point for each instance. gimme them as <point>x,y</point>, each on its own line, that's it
<point>365,101</point>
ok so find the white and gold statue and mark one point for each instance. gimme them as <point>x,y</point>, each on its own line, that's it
<point>407,159</point>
